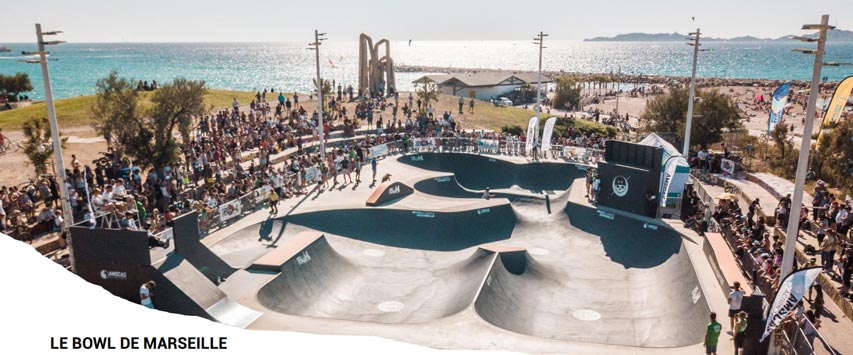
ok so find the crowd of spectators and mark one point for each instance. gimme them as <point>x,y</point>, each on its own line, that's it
<point>235,151</point>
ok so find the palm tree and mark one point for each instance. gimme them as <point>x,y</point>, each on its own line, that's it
<point>427,92</point>
<point>37,145</point>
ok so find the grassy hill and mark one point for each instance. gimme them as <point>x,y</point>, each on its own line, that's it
<point>76,111</point>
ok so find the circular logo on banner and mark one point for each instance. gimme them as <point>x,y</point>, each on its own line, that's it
<point>620,186</point>
<point>104,274</point>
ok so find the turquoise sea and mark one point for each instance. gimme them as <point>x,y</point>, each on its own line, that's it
<point>290,66</point>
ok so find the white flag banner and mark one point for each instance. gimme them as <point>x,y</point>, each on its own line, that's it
<point>790,292</point>
<point>546,135</point>
<point>532,130</point>
<point>728,167</point>
<point>667,176</point>
<point>229,210</point>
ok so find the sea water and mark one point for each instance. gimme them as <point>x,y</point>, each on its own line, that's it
<point>290,66</point>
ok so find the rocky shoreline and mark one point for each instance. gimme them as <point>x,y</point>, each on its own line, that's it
<point>625,78</point>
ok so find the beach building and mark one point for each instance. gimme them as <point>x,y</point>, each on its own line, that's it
<point>482,85</point>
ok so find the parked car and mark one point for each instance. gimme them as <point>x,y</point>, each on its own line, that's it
<point>503,102</point>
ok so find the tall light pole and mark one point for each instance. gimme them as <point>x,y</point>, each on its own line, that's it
<point>67,216</point>
<point>538,40</point>
<point>618,87</point>
<point>318,38</point>
<point>805,145</point>
<point>694,36</point>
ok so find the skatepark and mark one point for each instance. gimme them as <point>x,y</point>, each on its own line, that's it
<point>535,268</point>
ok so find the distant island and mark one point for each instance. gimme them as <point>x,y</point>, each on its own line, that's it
<point>833,36</point>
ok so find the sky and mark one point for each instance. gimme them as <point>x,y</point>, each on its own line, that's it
<point>283,20</point>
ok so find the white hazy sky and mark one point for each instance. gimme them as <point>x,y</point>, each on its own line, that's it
<point>282,20</point>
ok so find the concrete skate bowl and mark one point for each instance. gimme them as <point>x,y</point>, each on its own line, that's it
<point>320,282</point>
<point>476,172</point>
<point>423,230</point>
<point>634,287</point>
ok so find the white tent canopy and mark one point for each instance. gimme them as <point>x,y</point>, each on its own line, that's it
<point>675,169</point>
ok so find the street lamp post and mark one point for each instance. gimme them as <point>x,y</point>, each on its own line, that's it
<point>538,40</point>
<point>67,216</point>
<point>805,146</point>
<point>695,38</point>
<point>318,40</point>
<point>618,87</point>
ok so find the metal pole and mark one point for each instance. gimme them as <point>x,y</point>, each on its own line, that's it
<point>539,79</point>
<point>618,86</point>
<point>802,163</point>
<point>686,149</point>
<point>320,97</point>
<point>67,216</point>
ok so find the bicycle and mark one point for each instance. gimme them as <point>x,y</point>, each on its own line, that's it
<point>5,147</point>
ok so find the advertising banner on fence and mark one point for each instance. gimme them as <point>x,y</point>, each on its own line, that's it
<point>488,145</point>
<point>546,135</point>
<point>263,193</point>
<point>377,151</point>
<point>727,167</point>
<point>777,107</point>
<point>532,132</point>
<point>790,292</point>
<point>229,210</point>
<point>424,143</point>
<point>573,152</point>
<point>311,173</point>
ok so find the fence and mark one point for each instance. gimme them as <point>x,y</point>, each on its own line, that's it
<point>791,336</point>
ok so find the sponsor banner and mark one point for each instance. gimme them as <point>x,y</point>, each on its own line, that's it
<point>667,176</point>
<point>777,107</point>
<point>570,151</point>
<point>488,144</point>
<point>427,143</point>
<point>839,100</point>
<point>229,210</point>
<point>532,130</point>
<point>377,151</point>
<point>546,135</point>
<point>836,105</point>
<point>311,173</point>
<point>263,193</point>
<point>790,292</point>
<point>728,167</point>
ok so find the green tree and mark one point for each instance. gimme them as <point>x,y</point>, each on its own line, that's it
<point>712,113</point>
<point>567,93</point>
<point>427,92</point>
<point>779,135</point>
<point>327,87</point>
<point>147,135</point>
<point>37,143</point>
<point>833,160</point>
<point>13,85</point>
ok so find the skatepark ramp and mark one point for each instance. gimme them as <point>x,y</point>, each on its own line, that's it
<point>630,285</point>
<point>181,288</point>
<point>320,282</point>
<point>424,230</point>
<point>476,172</point>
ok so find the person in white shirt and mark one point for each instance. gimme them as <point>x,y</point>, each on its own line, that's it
<point>735,301</point>
<point>145,294</point>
